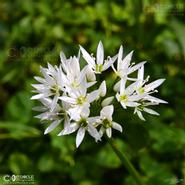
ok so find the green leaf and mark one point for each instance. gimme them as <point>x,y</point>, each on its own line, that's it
<point>16,130</point>
<point>20,164</point>
<point>19,107</point>
<point>155,173</point>
<point>106,156</point>
<point>136,135</point>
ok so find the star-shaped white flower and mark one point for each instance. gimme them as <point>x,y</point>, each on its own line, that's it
<point>124,68</point>
<point>106,121</point>
<point>126,96</point>
<point>56,116</point>
<point>149,88</point>
<point>72,76</point>
<point>82,124</point>
<point>50,85</point>
<point>142,108</point>
<point>98,65</point>
<point>80,101</point>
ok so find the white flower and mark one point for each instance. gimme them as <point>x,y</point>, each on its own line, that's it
<point>138,110</point>
<point>50,85</point>
<point>123,65</point>
<point>80,101</point>
<point>149,88</point>
<point>127,97</point>
<point>73,77</point>
<point>56,116</point>
<point>98,65</point>
<point>69,94</point>
<point>83,124</point>
<point>107,122</point>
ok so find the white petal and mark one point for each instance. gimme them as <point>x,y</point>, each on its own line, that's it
<point>51,69</point>
<point>136,97</point>
<point>120,55</point>
<point>150,111</point>
<point>115,71</point>
<point>54,102</point>
<point>116,126</point>
<point>38,96</point>
<point>39,108</point>
<point>132,104</point>
<point>79,53</point>
<point>107,112</point>
<point>92,96</point>
<point>82,75</point>
<point>131,88</point>
<point>153,85</point>
<point>80,136</point>
<point>90,74</point>
<point>126,61</point>
<point>67,99</point>
<point>109,62</point>
<point>94,120</point>
<point>123,105</point>
<point>75,66</point>
<point>43,116</point>
<point>63,60</point>
<point>87,57</point>
<point>154,99</point>
<point>107,101</point>
<point>101,131</point>
<point>117,86</point>
<point>136,67</point>
<point>109,132</point>
<point>48,78</point>
<point>103,89</point>
<point>52,126</point>
<point>74,113</point>
<point>118,97</point>
<point>140,74</point>
<point>62,57</point>
<point>82,89</point>
<point>100,53</point>
<point>93,132</point>
<point>85,111</point>
<point>70,129</point>
<point>66,122</point>
<point>140,115</point>
<point>39,79</point>
<point>89,84</point>
<point>122,85</point>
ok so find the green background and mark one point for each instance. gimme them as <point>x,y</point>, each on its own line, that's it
<point>33,33</point>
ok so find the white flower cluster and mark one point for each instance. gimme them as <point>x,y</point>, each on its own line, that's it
<point>66,94</point>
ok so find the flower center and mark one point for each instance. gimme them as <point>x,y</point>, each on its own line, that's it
<point>83,122</point>
<point>99,67</point>
<point>123,98</point>
<point>55,89</point>
<point>118,74</point>
<point>81,100</point>
<point>74,84</point>
<point>141,90</point>
<point>107,123</point>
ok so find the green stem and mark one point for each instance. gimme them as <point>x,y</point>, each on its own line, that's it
<point>126,163</point>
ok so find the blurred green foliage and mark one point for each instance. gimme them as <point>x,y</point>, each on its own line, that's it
<point>33,33</point>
